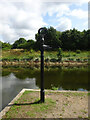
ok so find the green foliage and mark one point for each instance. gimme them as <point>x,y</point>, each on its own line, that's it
<point>19,55</point>
<point>1,44</point>
<point>54,88</point>
<point>6,46</point>
<point>67,40</point>
<point>53,60</point>
<point>78,60</point>
<point>47,59</point>
<point>51,38</point>
<point>19,42</point>
<point>78,51</point>
<point>59,55</point>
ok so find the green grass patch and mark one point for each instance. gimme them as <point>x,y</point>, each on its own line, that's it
<point>16,55</point>
<point>68,94</point>
<point>32,110</point>
<point>26,92</point>
<point>54,88</point>
<point>30,106</point>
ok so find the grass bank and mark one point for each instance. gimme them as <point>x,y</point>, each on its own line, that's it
<point>21,57</point>
<point>57,105</point>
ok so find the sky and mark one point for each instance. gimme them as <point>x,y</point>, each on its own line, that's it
<point>23,18</point>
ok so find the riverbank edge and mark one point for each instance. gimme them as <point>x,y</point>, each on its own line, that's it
<point>6,109</point>
<point>27,63</point>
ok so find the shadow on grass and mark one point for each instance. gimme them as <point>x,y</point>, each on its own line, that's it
<point>18,104</point>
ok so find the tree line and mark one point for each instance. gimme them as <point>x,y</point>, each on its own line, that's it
<point>67,40</point>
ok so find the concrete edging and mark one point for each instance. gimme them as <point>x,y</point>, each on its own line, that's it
<point>3,112</point>
<point>6,109</point>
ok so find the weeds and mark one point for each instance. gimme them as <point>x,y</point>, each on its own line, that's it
<point>17,55</point>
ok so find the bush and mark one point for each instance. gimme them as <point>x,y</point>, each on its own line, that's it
<point>53,60</point>
<point>78,51</point>
<point>54,88</point>
<point>36,60</point>
<point>4,59</point>
<point>85,60</point>
<point>47,60</point>
<point>67,55</point>
<point>15,59</point>
<point>59,55</point>
<point>78,60</point>
<point>71,59</point>
<point>74,54</point>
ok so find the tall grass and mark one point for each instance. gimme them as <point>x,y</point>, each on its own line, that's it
<point>28,55</point>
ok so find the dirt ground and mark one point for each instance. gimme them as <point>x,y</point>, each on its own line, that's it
<point>57,105</point>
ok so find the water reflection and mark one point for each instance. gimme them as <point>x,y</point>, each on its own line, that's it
<point>11,86</point>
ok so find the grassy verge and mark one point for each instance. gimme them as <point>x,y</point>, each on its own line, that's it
<point>57,105</point>
<point>30,107</point>
<point>17,55</point>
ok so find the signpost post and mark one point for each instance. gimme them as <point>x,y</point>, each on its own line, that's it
<point>42,93</point>
<point>42,32</point>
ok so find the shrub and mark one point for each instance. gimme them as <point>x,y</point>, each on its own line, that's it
<point>15,59</point>
<point>54,88</point>
<point>59,55</point>
<point>31,51</point>
<point>78,51</point>
<point>47,60</point>
<point>4,59</point>
<point>68,55</point>
<point>71,59</point>
<point>36,60</point>
<point>74,54</point>
<point>85,60</point>
<point>53,60</point>
<point>78,60</point>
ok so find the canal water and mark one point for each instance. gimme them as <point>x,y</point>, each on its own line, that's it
<point>13,80</point>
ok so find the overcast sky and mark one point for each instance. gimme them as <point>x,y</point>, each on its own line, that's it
<point>23,18</point>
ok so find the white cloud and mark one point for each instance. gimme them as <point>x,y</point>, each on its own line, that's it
<point>20,20</point>
<point>55,8</point>
<point>62,10</point>
<point>64,24</point>
<point>79,13</point>
<point>64,1</point>
<point>23,18</point>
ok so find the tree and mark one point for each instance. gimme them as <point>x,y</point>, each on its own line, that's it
<point>51,38</point>
<point>6,45</point>
<point>71,39</point>
<point>65,39</point>
<point>18,42</point>
<point>1,45</point>
<point>38,38</point>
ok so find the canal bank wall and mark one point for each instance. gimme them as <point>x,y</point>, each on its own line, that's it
<point>27,63</point>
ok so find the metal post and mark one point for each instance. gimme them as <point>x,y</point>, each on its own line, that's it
<point>41,32</point>
<point>42,76</point>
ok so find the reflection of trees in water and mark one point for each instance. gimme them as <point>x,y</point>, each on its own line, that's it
<point>75,80</point>
<point>6,72</point>
<point>71,80</point>
<point>20,73</point>
<point>67,78</point>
